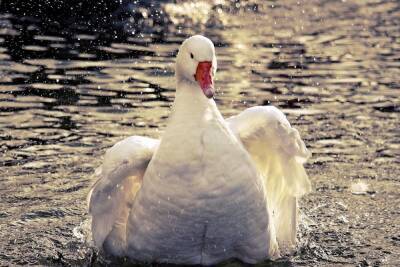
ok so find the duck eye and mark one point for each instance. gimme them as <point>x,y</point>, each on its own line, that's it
<point>191,55</point>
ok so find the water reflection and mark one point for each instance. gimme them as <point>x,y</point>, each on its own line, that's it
<point>67,95</point>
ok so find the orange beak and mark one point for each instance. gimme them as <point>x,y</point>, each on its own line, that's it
<point>204,77</point>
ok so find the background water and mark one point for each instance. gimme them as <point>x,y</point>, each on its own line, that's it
<point>70,91</point>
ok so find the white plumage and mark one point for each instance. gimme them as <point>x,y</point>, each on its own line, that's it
<point>210,189</point>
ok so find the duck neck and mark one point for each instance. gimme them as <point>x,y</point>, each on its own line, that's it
<point>191,104</point>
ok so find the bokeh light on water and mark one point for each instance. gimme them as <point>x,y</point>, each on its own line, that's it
<point>71,89</point>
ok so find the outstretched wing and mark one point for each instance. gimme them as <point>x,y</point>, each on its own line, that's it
<point>278,153</point>
<point>118,180</point>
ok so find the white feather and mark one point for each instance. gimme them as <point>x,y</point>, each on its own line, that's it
<point>279,154</point>
<point>118,181</point>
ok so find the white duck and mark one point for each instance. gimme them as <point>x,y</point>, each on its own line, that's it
<point>210,189</point>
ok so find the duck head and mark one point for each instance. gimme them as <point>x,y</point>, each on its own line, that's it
<point>196,63</point>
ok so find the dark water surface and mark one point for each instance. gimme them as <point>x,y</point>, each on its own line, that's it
<point>67,94</point>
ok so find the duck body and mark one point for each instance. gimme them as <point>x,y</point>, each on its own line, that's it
<point>195,210</point>
<point>211,189</point>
